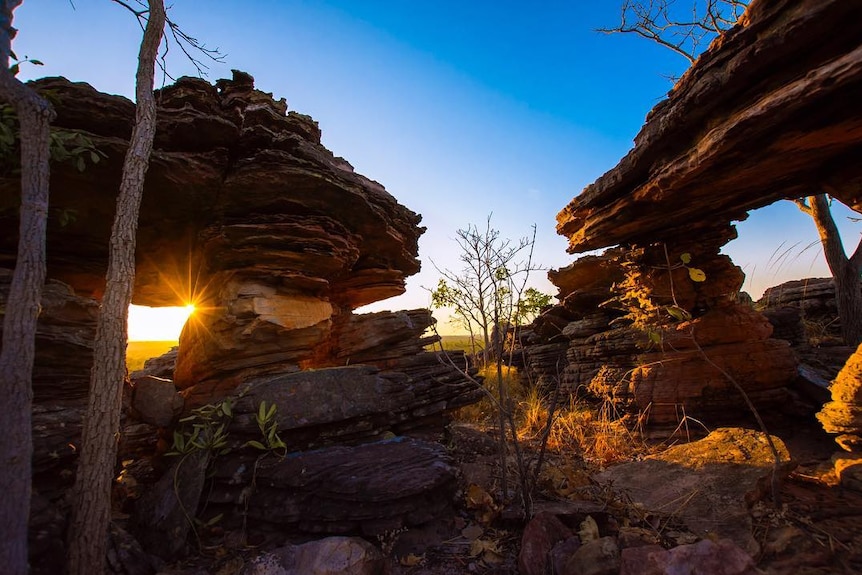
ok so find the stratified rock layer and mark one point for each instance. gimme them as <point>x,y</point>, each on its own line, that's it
<point>843,415</point>
<point>276,241</point>
<point>372,488</point>
<point>236,186</point>
<point>765,114</point>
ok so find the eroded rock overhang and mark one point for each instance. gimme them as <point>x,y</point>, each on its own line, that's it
<point>770,111</point>
<point>236,185</point>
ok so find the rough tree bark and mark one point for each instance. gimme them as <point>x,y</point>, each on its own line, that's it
<point>845,271</point>
<point>92,493</point>
<point>22,305</point>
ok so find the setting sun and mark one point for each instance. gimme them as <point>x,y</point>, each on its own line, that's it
<point>157,323</point>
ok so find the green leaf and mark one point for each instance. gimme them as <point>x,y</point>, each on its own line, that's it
<point>696,275</point>
<point>37,62</point>
<point>685,258</point>
<point>80,163</point>
<point>271,412</point>
<point>261,412</point>
<point>13,69</point>
<point>11,53</point>
<point>226,408</point>
<point>678,313</point>
<point>654,337</point>
<point>256,444</point>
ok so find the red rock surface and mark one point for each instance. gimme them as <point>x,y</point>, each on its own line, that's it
<point>843,415</point>
<point>755,120</point>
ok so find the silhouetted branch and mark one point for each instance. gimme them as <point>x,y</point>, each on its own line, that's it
<point>188,44</point>
<point>655,20</point>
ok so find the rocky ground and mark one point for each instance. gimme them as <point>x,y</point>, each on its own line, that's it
<point>708,504</point>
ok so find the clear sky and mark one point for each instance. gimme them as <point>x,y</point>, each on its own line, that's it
<point>459,108</point>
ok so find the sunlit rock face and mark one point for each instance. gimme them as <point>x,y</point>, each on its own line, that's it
<point>276,242</point>
<point>244,212</point>
<point>843,415</point>
<point>763,115</point>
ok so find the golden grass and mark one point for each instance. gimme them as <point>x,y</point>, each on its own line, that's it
<point>485,412</point>
<point>595,433</point>
<point>138,352</point>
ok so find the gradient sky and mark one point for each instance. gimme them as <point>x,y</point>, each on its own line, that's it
<point>459,109</point>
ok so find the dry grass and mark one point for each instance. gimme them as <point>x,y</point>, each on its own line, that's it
<point>595,433</point>
<point>485,412</point>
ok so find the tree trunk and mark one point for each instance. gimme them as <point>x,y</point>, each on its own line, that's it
<point>845,271</point>
<point>92,504</point>
<point>22,307</point>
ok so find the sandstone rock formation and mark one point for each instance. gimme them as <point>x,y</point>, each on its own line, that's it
<point>814,298</point>
<point>763,115</point>
<point>804,312</point>
<point>276,241</point>
<point>843,415</point>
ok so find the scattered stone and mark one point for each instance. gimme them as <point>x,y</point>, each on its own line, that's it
<point>597,557</point>
<point>707,484</point>
<point>642,560</point>
<point>126,556</point>
<point>330,556</point>
<point>636,537</point>
<point>540,536</point>
<point>702,558</point>
<point>562,552</point>
<point>162,366</point>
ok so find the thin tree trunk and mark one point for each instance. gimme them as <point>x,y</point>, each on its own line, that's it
<point>845,271</point>
<point>22,307</point>
<point>92,505</point>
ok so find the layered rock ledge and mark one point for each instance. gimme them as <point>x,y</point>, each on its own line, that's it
<point>276,241</point>
<point>765,114</point>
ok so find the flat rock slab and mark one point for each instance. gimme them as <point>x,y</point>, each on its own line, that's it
<point>368,488</point>
<point>707,484</point>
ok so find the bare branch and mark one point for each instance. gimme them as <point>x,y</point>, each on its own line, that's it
<point>188,44</point>
<point>656,21</point>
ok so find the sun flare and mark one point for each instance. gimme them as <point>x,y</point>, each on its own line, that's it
<point>157,323</point>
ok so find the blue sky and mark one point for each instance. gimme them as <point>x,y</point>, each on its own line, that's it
<point>459,108</point>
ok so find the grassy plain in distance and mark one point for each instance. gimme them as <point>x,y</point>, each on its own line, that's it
<point>138,352</point>
<point>458,343</point>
